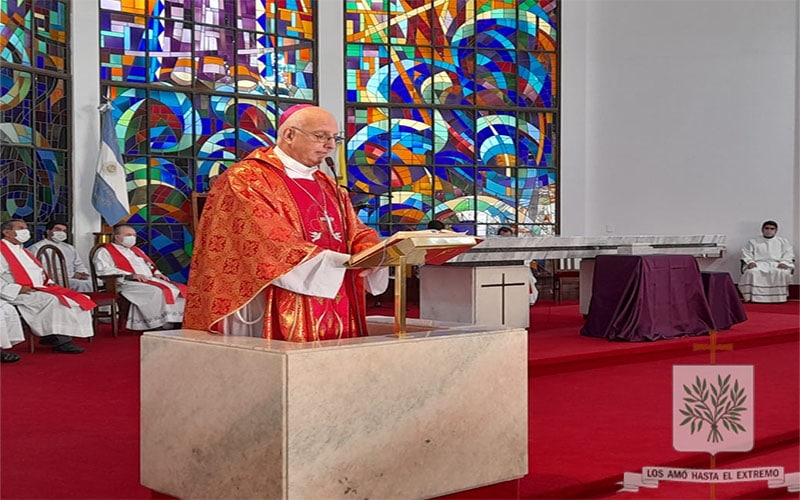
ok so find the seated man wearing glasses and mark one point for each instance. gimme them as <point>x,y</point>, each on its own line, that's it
<point>275,234</point>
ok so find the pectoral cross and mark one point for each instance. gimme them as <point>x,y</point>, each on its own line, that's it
<point>329,221</point>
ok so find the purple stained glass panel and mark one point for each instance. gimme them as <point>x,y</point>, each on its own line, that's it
<point>215,12</point>
<point>171,53</point>
<point>255,63</point>
<point>123,47</point>
<point>215,57</point>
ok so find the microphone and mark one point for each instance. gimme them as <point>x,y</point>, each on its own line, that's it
<point>332,165</point>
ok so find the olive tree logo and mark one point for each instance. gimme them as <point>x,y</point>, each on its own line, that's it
<point>714,404</point>
<point>712,408</point>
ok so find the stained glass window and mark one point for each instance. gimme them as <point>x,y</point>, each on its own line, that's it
<point>452,113</point>
<point>34,112</point>
<point>196,85</point>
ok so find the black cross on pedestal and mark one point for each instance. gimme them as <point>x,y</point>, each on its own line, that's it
<point>502,286</point>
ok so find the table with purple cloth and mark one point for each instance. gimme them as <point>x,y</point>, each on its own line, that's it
<point>647,297</point>
<point>723,299</point>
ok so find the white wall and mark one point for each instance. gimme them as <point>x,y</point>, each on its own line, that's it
<point>689,122</point>
<point>86,124</point>
<point>677,117</point>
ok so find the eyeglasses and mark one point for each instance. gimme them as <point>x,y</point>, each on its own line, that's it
<point>322,136</point>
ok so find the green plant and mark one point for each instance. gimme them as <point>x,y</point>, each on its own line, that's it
<point>714,405</point>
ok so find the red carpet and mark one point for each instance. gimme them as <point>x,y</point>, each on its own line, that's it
<point>597,409</point>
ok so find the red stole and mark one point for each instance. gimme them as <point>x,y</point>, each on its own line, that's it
<point>22,278</point>
<point>122,263</point>
<point>322,225</point>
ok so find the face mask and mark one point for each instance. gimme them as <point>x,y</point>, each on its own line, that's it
<point>128,241</point>
<point>58,236</point>
<point>23,235</point>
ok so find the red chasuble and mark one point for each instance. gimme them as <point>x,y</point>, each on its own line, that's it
<point>257,225</point>
<point>322,225</point>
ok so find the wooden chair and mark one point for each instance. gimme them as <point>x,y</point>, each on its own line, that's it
<point>27,333</point>
<point>544,276</point>
<point>56,267</point>
<point>565,271</point>
<point>107,287</point>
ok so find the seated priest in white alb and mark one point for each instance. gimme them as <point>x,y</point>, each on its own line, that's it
<point>77,273</point>
<point>156,302</point>
<point>10,332</point>
<point>768,263</point>
<point>54,314</point>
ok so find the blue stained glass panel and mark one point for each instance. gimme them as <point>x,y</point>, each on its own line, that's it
<point>466,84</point>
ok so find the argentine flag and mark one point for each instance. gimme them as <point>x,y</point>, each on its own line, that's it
<point>110,194</point>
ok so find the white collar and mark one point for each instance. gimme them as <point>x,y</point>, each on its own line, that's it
<point>294,168</point>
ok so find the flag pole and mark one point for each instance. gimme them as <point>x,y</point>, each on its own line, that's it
<point>109,193</point>
<point>105,234</point>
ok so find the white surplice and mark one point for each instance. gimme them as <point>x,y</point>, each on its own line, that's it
<point>73,261</point>
<point>149,309</point>
<point>44,312</point>
<point>10,326</point>
<point>766,282</point>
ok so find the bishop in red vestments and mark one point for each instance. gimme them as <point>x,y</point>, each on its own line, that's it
<point>272,241</point>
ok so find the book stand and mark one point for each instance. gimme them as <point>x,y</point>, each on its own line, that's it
<point>411,248</point>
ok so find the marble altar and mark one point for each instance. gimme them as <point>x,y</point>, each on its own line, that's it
<point>441,410</point>
<point>513,251</point>
<point>484,295</point>
<point>505,249</point>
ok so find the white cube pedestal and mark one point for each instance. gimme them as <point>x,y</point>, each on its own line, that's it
<point>442,410</point>
<point>484,295</point>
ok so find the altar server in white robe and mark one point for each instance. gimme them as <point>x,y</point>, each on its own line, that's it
<point>10,331</point>
<point>54,314</point>
<point>77,273</point>
<point>156,302</point>
<point>768,264</point>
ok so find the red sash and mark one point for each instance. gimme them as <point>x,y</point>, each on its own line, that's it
<point>22,278</point>
<point>122,263</point>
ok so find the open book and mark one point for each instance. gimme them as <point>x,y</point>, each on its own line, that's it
<point>418,247</point>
